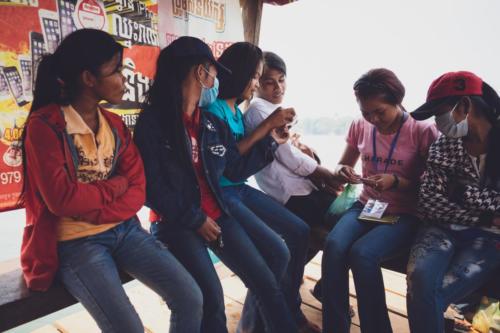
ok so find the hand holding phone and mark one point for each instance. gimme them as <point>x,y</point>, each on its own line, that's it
<point>281,117</point>
<point>280,134</point>
<point>380,182</point>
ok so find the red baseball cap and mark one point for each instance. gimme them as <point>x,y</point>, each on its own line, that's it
<point>448,85</point>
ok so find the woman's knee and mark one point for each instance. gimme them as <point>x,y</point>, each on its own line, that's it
<point>363,257</point>
<point>335,248</point>
<point>280,258</point>
<point>194,299</point>
<point>302,232</point>
<point>421,282</point>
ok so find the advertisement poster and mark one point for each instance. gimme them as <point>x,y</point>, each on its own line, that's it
<point>217,22</point>
<point>31,28</point>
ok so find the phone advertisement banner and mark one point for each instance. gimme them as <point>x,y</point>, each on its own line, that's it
<point>31,28</point>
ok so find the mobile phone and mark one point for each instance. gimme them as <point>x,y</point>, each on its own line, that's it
<point>49,21</point>
<point>367,181</point>
<point>292,123</point>
<point>217,244</point>
<point>26,68</point>
<point>37,47</point>
<point>15,84</point>
<point>4,86</point>
<point>66,8</point>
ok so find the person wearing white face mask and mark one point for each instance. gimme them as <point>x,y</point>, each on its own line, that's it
<point>449,127</point>
<point>208,95</point>
<point>459,249</point>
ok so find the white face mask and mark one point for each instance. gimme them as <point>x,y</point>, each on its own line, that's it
<point>447,125</point>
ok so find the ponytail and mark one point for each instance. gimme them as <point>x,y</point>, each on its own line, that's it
<point>47,85</point>
<point>492,112</point>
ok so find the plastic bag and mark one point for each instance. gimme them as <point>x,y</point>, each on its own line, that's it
<point>344,201</point>
<point>487,317</point>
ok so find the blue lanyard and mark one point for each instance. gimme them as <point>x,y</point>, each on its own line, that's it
<point>393,144</point>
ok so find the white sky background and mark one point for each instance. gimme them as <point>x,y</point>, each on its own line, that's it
<point>328,44</point>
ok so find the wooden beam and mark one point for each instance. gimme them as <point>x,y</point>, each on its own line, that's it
<point>251,12</point>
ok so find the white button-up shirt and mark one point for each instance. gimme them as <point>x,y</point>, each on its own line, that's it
<point>286,175</point>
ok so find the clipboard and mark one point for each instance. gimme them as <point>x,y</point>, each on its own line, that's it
<point>386,219</point>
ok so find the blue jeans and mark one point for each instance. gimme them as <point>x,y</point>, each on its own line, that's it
<point>88,267</point>
<point>255,266</point>
<point>446,266</point>
<point>361,246</point>
<point>263,217</point>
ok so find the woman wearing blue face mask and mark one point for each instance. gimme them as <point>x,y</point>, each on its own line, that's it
<point>185,153</point>
<point>459,198</point>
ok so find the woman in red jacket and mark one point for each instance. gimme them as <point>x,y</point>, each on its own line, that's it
<point>84,183</point>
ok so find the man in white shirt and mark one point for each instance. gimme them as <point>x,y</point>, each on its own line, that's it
<point>295,177</point>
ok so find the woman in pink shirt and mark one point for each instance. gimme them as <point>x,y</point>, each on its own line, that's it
<point>392,147</point>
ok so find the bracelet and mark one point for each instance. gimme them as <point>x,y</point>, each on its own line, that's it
<point>395,185</point>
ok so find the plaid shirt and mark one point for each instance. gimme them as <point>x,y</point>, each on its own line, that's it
<point>451,191</point>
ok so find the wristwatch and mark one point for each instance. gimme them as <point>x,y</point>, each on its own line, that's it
<point>396,182</point>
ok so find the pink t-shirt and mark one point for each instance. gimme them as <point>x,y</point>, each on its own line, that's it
<point>408,159</point>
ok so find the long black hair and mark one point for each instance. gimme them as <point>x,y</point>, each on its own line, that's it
<point>58,74</point>
<point>164,97</point>
<point>242,59</point>
<point>488,106</point>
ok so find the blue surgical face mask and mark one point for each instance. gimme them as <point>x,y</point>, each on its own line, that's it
<point>447,125</point>
<point>209,95</point>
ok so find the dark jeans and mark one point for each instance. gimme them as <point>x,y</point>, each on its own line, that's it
<point>312,209</point>
<point>361,246</point>
<point>88,267</point>
<point>256,266</point>
<point>257,212</point>
<point>444,267</point>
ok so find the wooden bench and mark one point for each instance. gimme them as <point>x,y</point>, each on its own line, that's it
<point>318,235</point>
<point>19,305</point>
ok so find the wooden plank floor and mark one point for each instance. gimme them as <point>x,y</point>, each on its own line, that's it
<point>155,315</point>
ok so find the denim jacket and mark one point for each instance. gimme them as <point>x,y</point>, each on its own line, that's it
<point>172,188</point>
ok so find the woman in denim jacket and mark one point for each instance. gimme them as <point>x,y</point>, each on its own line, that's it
<point>253,208</point>
<point>185,153</point>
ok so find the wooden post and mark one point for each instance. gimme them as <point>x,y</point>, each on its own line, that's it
<point>252,14</point>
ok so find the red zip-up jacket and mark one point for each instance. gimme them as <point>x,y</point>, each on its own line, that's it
<point>53,191</point>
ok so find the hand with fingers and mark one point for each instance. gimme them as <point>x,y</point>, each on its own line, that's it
<point>209,230</point>
<point>348,174</point>
<point>327,181</point>
<point>294,140</point>
<point>381,182</point>
<point>281,117</point>
<point>280,134</point>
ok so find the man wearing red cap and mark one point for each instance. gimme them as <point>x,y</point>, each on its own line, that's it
<point>459,249</point>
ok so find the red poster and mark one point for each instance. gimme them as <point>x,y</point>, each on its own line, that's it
<point>31,28</point>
